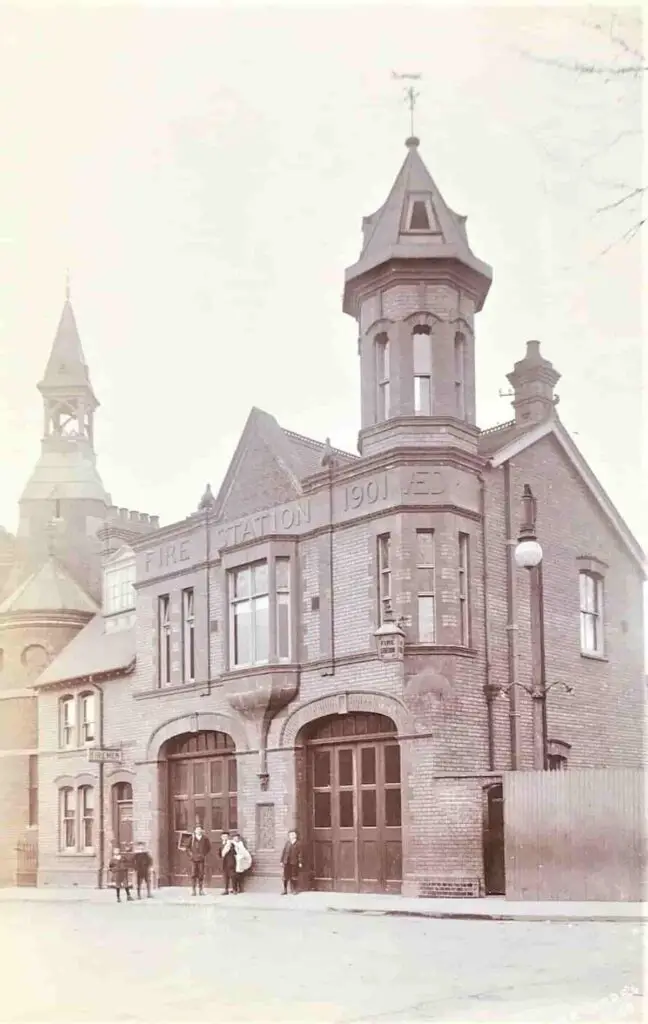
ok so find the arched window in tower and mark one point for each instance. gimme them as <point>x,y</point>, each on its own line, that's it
<point>460,374</point>
<point>422,350</point>
<point>382,377</point>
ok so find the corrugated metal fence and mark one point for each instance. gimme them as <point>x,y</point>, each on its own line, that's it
<point>575,835</point>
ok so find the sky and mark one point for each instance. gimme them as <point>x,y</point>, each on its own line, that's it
<point>203,172</point>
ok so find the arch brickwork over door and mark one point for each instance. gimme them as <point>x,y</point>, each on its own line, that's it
<point>353,803</point>
<point>202,789</point>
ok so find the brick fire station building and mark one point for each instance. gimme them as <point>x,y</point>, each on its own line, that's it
<point>329,641</point>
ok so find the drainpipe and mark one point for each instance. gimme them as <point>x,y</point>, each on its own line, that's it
<point>102,822</point>
<point>331,669</point>
<point>511,609</point>
<point>207,692</point>
<point>490,691</point>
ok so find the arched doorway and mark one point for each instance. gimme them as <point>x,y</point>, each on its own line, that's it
<point>202,788</point>
<point>352,803</point>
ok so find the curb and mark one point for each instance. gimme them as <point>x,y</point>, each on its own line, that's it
<point>439,915</point>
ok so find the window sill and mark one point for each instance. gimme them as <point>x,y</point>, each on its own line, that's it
<point>76,855</point>
<point>593,656</point>
<point>456,649</point>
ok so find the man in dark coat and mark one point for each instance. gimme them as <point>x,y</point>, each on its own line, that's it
<point>292,861</point>
<point>227,855</point>
<point>142,862</point>
<point>199,847</point>
<point>119,867</point>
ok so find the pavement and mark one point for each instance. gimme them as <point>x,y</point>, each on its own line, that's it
<point>489,908</point>
<point>90,960</point>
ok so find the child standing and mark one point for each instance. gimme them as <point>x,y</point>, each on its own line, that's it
<point>243,861</point>
<point>119,867</point>
<point>227,855</point>
<point>142,862</point>
<point>292,862</point>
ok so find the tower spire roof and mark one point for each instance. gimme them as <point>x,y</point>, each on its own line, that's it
<point>415,223</point>
<point>66,366</point>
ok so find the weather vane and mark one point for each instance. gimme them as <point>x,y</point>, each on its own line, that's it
<point>411,95</point>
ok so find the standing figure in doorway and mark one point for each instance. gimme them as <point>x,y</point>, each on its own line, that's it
<point>198,849</point>
<point>292,862</point>
<point>119,868</point>
<point>243,863</point>
<point>143,861</point>
<point>227,855</point>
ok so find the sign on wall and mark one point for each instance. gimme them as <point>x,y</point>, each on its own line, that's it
<point>99,754</point>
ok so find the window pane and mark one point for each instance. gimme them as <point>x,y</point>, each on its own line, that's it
<point>283,626</point>
<point>179,778</point>
<point>369,808</point>
<point>419,220</point>
<point>88,799</point>
<point>346,808</point>
<point>241,583</point>
<point>231,775</point>
<point>382,357</point>
<point>321,809</point>
<point>260,578</point>
<point>345,767</point>
<point>282,571</point>
<point>199,778</point>
<point>216,776</point>
<point>261,629</point>
<point>368,766</point>
<point>392,764</point>
<point>426,624</point>
<point>392,808</point>
<point>422,396</point>
<point>242,634</point>
<point>425,580</point>
<point>199,814</point>
<point>233,812</point>
<point>425,547</point>
<point>322,768</point>
<point>218,817</point>
<point>180,816</point>
<point>422,353</point>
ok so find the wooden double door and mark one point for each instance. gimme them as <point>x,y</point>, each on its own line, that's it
<point>354,790</point>
<point>202,788</point>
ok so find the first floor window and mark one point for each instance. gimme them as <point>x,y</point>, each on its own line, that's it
<point>591,612</point>
<point>68,819</point>
<point>68,720</point>
<point>33,789</point>
<point>86,794</point>
<point>249,615</point>
<point>464,590</point>
<point>188,635</point>
<point>164,638</point>
<point>87,717</point>
<point>384,575</point>
<point>282,588</point>
<point>425,586</point>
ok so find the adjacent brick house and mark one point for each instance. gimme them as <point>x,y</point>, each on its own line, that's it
<point>249,693</point>
<point>50,583</point>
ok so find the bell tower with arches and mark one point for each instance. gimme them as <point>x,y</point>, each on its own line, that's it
<point>414,293</point>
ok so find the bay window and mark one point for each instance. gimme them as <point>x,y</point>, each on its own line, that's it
<point>384,576</point>
<point>282,592</point>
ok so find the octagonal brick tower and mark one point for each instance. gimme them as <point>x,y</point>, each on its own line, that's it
<point>414,292</point>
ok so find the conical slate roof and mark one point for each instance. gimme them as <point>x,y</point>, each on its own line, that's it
<point>66,366</point>
<point>431,231</point>
<point>50,588</point>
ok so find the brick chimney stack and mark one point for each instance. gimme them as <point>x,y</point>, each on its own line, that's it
<point>533,380</point>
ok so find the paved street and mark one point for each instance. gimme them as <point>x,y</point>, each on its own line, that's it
<point>148,962</point>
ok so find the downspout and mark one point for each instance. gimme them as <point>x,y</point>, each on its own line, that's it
<point>511,612</point>
<point>102,822</point>
<point>207,692</point>
<point>331,569</point>
<point>490,692</point>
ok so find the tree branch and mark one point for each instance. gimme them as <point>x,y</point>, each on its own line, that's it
<point>624,199</point>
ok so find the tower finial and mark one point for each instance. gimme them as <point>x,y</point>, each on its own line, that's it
<point>411,96</point>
